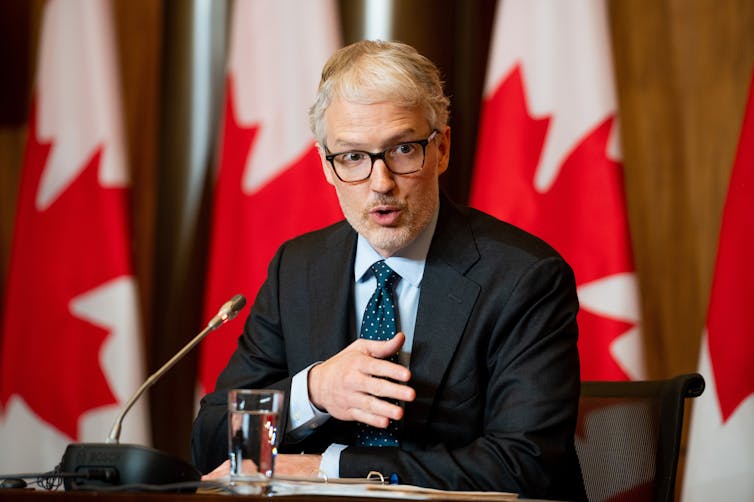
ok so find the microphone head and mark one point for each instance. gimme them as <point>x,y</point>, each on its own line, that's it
<point>235,305</point>
<point>228,311</point>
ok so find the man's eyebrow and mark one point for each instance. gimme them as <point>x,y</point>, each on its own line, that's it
<point>401,137</point>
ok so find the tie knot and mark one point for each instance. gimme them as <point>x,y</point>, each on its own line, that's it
<point>384,274</point>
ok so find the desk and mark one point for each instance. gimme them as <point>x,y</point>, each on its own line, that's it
<point>29,495</point>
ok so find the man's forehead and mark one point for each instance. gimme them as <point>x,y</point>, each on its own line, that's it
<point>372,124</point>
<point>380,138</point>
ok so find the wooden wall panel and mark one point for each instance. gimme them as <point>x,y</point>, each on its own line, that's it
<point>139,36</point>
<point>11,154</point>
<point>683,69</point>
<point>19,20</point>
<point>651,139</point>
<point>713,54</point>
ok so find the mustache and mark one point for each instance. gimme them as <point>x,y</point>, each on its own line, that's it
<point>385,200</point>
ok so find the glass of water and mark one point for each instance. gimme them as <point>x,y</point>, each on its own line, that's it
<point>253,418</point>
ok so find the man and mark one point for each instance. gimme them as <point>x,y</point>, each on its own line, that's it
<point>483,392</point>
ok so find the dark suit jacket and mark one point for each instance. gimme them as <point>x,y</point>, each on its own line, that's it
<point>494,361</point>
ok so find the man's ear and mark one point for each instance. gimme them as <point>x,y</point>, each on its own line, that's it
<point>326,167</point>
<point>443,148</point>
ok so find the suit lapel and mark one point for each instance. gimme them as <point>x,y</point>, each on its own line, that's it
<point>446,302</point>
<point>330,277</point>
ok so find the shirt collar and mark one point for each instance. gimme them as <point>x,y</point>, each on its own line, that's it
<point>408,262</point>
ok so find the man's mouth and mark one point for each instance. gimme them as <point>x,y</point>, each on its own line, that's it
<point>385,215</point>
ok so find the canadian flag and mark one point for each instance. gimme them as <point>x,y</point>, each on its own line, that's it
<point>548,161</point>
<point>720,453</point>
<point>270,185</point>
<point>70,328</point>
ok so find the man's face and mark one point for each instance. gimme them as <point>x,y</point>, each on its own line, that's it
<point>389,210</point>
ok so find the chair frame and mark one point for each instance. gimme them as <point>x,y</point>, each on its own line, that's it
<point>671,394</point>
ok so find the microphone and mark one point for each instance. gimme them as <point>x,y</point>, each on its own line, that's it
<point>228,311</point>
<point>112,463</point>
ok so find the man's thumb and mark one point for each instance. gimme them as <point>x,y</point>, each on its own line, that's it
<point>387,348</point>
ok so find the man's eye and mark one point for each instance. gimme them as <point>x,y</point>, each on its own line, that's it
<point>405,149</point>
<point>352,157</point>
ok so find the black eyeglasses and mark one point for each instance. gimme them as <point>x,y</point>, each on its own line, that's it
<point>356,165</point>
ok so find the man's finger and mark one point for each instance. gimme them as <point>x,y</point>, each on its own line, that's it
<point>372,405</point>
<point>382,387</point>
<point>386,369</point>
<point>364,416</point>
<point>382,349</point>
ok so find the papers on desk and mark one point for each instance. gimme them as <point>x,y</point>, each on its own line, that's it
<point>360,488</point>
<point>352,487</point>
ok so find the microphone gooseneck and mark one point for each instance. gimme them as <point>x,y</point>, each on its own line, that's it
<point>228,311</point>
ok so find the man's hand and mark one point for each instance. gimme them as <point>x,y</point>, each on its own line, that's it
<point>353,385</point>
<point>306,466</point>
<point>223,470</point>
<point>300,466</point>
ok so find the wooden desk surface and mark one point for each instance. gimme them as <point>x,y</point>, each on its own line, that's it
<point>29,495</point>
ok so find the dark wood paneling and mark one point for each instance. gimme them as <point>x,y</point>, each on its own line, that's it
<point>139,31</point>
<point>683,69</point>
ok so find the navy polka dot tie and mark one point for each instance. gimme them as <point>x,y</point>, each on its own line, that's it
<point>379,323</point>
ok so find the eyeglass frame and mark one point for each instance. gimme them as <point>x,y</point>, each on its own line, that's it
<point>330,157</point>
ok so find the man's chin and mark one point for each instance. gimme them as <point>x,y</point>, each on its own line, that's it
<point>388,240</point>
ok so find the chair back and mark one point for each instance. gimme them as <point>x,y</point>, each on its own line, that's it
<point>628,437</point>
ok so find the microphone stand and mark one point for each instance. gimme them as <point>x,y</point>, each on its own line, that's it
<point>112,463</point>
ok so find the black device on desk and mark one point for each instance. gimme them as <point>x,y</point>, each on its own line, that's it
<point>107,464</point>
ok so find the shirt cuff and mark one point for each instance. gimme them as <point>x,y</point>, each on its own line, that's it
<point>330,463</point>
<point>303,416</point>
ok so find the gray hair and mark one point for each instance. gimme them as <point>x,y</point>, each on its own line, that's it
<point>371,71</point>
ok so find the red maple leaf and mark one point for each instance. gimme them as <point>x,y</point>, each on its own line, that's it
<point>248,229</point>
<point>582,215</point>
<point>50,357</point>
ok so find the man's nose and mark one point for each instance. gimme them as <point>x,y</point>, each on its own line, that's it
<point>382,179</point>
